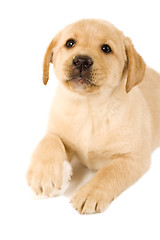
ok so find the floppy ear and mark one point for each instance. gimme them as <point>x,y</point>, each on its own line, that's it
<point>47,59</point>
<point>135,64</point>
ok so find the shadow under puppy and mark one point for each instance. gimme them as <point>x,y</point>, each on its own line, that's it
<point>99,114</point>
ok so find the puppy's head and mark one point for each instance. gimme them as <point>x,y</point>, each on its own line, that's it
<point>92,54</point>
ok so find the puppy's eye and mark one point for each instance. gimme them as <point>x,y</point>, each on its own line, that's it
<point>70,43</point>
<point>106,48</point>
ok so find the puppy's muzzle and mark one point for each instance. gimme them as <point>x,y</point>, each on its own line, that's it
<point>81,71</point>
<point>82,62</point>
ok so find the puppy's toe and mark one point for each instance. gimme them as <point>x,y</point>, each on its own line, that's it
<point>47,187</point>
<point>35,184</point>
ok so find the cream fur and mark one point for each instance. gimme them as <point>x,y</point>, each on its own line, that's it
<point>112,128</point>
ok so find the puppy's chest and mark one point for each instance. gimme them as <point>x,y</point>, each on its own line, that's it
<point>88,128</point>
<point>87,135</point>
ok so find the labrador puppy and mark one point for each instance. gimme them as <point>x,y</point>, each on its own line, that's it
<point>106,112</point>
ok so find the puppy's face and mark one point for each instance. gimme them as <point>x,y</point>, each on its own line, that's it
<point>89,55</point>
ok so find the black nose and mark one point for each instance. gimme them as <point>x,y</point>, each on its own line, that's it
<point>82,62</point>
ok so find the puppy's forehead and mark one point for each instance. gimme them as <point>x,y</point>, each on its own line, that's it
<point>91,29</point>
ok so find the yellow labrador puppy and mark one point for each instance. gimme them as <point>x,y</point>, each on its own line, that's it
<point>106,111</point>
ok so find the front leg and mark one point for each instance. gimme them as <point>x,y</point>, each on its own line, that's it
<point>109,182</point>
<point>49,172</point>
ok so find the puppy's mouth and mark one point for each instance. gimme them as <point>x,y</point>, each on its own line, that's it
<point>80,81</point>
<point>80,78</point>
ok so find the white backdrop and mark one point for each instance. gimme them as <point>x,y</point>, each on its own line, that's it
<point>26,29</point>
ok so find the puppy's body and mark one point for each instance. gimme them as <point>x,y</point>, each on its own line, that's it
<point>150,89</point>
<point>102,116</point>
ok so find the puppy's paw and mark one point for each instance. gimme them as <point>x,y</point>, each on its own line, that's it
<point>90,199</point>
<point>49,180</point>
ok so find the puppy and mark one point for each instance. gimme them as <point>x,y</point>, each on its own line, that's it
<point>106,112</point>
